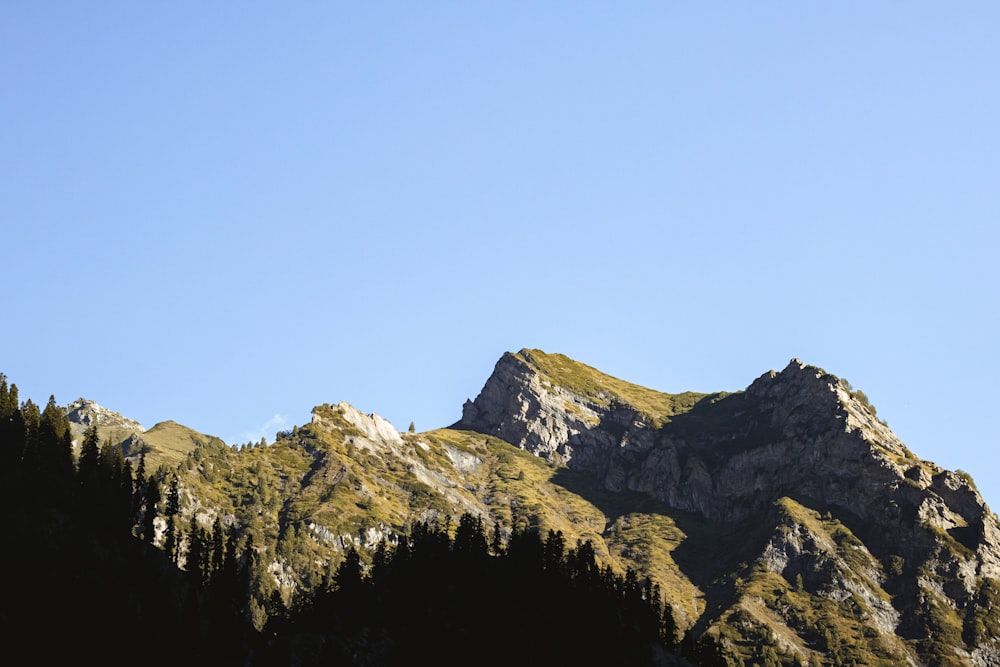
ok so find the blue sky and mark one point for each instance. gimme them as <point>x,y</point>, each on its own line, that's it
<point>226,214</point>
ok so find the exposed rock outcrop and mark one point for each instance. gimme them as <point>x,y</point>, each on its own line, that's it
<point>84,414</point>
<point>799,436</point>
<point>87,413</point>
<point>798,433</point>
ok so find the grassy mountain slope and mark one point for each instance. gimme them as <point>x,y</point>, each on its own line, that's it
<point>561,371</point>
<point>789,579</point>
<point>170,443</point>
<point>326,486</point>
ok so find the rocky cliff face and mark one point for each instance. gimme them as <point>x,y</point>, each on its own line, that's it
<point>84,413</point>
<point>927,544</point>
<point>87,413</point>
<point>797,433</point>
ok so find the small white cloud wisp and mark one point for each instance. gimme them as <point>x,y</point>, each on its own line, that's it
<point>265,430</point>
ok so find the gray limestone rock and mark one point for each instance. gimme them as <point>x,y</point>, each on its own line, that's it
<point>801,434</point>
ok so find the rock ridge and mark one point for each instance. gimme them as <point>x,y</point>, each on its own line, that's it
<point>800,432</point>
<point>796,438</point>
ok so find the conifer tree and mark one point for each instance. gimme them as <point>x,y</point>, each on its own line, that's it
<point>54,418</point>
<point>349,574</point>
<point>668,625</point>
<point>151,498</point>
<point>6,407</point>
<point>32,417</point>
<point>139,488</point>
<point>198,556</point>
<point>554,550</point>
<point>173,497</point>
<point>30,478</point>
<point>12,443</point>
<point>496,541</point>
<point>11,427</point>
<point>173,508</point>
<point>90,482</point>
<point>112,461</point>
<point>124,493</point>
<point>48,455</point>
<point>172,540</point>
<point>218,547</point>
<point>470,537</point>
<point>228,580</point>
<point>89,461</point>
<point>140,472</point>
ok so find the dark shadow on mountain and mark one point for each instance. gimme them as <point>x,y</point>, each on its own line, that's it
<point>722,425</point>
<point>710,554</point>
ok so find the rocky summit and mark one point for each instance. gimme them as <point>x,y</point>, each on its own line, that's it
<point>847,532</point>
<point>84,413</point>
<point>798,433</point>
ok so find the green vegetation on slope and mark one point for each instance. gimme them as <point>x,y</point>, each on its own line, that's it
<point>323,485</point>
<point>170,443</point>
<point>579,378</point>
<point>801,615</point>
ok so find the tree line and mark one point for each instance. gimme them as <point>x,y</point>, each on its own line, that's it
<point>86,573</point>
<point>453,593</point>
<point>98,563</point>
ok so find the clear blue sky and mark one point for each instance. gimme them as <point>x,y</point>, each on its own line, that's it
<point>227,213</point>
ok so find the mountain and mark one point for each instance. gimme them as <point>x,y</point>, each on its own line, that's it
<point>171,443</point>
<point>167,443</point>
<point>782,524</point>
<point>83,413</point>
<point>844,531</point>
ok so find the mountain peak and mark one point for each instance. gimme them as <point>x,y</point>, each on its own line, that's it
<point>801,439</point>
<point>86,413</point>
<point>722,455</point>
<point>372,425</point>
